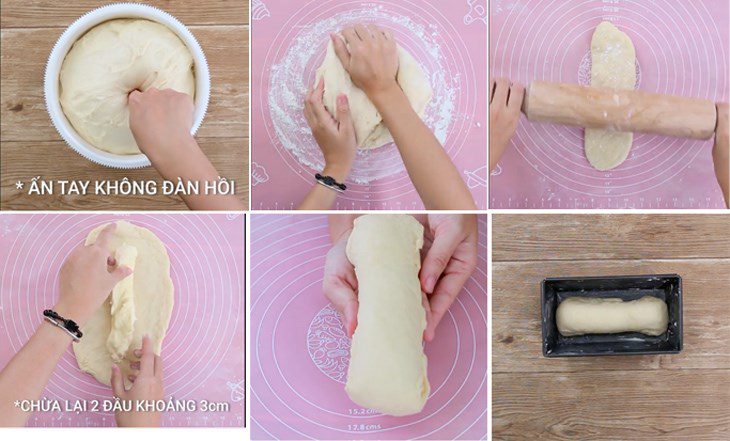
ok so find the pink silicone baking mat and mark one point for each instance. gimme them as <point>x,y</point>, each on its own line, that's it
<point>300,353</point>
<point>203,353</point>
<point>291,38</point>
<point>681,49</point>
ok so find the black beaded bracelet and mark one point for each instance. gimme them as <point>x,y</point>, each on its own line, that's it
<point>330,182</point>
<point>67,325</point>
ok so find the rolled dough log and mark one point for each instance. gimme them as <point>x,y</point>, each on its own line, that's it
<point>122,306</point>
<point>369,128</point>
<point>613,65</point>
<point>387,369</point>
<point>584,315</point>
<point>153,300</point>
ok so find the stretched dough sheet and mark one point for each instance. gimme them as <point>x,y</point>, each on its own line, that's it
<point>387,370</point>
<point>153,301</point>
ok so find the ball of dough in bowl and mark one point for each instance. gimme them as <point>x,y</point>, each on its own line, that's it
<point>110,61</point>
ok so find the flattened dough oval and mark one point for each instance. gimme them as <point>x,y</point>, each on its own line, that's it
<point>613,65</point>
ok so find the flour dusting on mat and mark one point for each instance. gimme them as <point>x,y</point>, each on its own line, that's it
<point>293,75</point>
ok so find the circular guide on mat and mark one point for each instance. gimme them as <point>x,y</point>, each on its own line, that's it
<point>301,351</point>
<point>446,43</point>
<point>203,352</point>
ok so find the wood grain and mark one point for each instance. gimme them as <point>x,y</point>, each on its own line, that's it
<point>516,315</point>
<point>578,237</point>
<point>228,155</point>
<point>44,13</point>
<point>32,147</point>
<point>612,405</point>
<point>22,105</point>
<point>665,397</point>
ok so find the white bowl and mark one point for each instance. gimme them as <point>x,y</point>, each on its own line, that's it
<point>79,28</point>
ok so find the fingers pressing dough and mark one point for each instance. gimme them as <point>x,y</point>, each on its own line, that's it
<point>369,128</point>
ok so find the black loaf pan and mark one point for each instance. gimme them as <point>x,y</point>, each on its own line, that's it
<point>666,287</point>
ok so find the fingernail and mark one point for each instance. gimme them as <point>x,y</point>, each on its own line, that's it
<point>430,282</point>
<point>342,100</point>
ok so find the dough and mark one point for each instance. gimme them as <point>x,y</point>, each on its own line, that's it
<point>587,315</point>
<point>152,298</point>
<point>613,61</point>
<point>110,61</point>
<point>387,369</point>
<point>369,128</point>
<point>122,306</point>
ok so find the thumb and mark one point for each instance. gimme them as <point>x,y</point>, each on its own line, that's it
<point>120,273</point>
<point>135,96</point>
<point>117,382</point>
<point>444,244</point>
<point>341,50</point>
<point>427,333</point>
<point>350,313</point>
<point>345,302</point>
<point>344,117</point>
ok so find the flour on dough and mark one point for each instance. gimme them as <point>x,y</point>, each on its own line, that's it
<point>152,298</point>
<point>613,60</point>
<point>387,370</point>
<point>369,128</point>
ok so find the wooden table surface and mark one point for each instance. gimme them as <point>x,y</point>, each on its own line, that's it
<point>30,146</point>
<point>665,397</point>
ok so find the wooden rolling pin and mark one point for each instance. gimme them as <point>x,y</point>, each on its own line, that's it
<point>620,110</point>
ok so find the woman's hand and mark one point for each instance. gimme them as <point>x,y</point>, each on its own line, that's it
<point>448,264</point>
<point>370,55</point>
<point>87,277</point>
<point>146,386</point>
<point>335,137</point>
<point>161,121</point>
<point>340,283</point>
<point>721,151</point>
<point>505,102</point>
